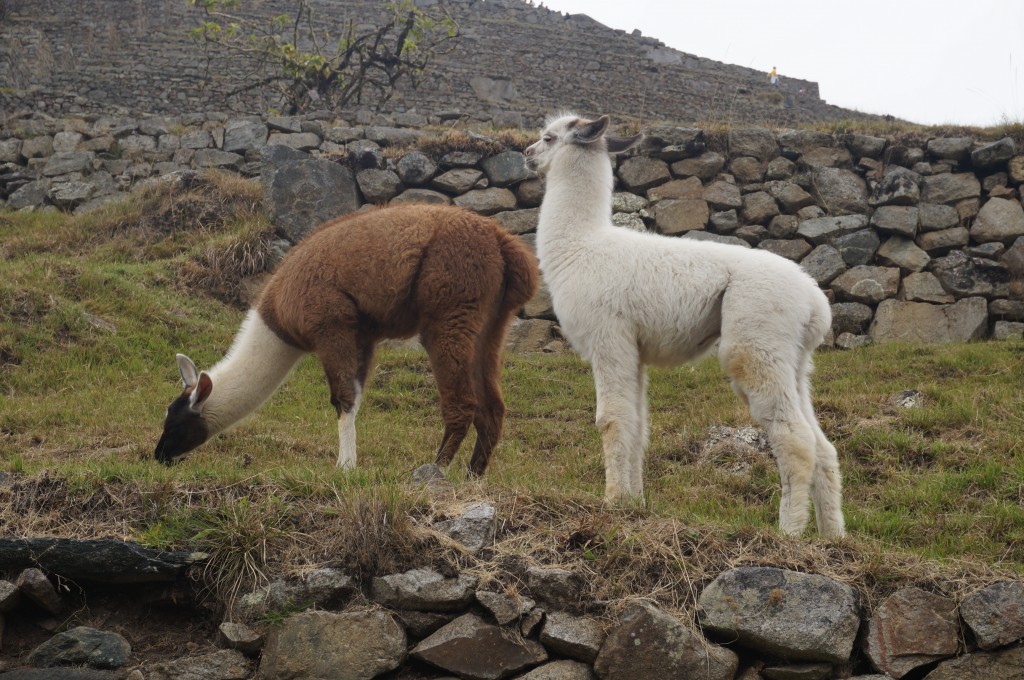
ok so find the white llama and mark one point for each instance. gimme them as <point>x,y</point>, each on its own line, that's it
<point>626,299</point>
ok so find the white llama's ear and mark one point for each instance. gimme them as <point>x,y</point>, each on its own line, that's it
<point>591,132</point>
<point>202,391</point>
<point>620,144</point>
<point>189,374</point>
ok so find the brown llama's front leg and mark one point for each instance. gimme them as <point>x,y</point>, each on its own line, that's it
<point>346,365</point>
<point>451,358</point>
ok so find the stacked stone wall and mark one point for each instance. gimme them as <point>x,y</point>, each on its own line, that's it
<point>920,242</point>
<point>515,62</point>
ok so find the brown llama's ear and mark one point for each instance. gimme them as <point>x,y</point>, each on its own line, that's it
<point>620,144</point>
<point>189,373</point>
<point>591,131</point>
<point>201,393</point>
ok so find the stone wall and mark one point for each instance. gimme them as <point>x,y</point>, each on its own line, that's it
<point>920,241</point>
<point>514,60</point>
<point>750,623</point>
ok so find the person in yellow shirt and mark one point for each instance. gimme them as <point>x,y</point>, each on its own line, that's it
<point>773,77</point>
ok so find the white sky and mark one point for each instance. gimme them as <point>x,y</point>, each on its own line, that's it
<point>926,61</point>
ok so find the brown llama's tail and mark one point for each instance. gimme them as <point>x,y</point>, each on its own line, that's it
<point>522,275</point>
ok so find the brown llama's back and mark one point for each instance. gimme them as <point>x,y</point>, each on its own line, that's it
<point>390,271</point>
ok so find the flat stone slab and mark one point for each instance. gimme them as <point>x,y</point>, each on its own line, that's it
<point>100,560</point>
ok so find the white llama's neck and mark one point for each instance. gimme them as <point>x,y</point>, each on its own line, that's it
<point>251,371</point>
<point>577,202</point>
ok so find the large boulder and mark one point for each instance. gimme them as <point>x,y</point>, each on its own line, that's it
<point>841,192</point>
<point>476,650</point>
<point>948,188</point>
<point>824,264</point>
<point>638,174</point>
<point>357,645</point>
<point>679,216</point>
<point>900,321</point>
<point>757,142</point>
<point>241,136</point>
<point>705,167</point>
<point>995,614</point>
<point>722,195</point>
<point>577,637</point>
<point>999,219</point>
<point>416,168</point>
<point>911,628</point>
<point>785,613</point>
<point>866,284</point>
<point>507,167</point>
<point>994,153</point>
<point>647,643</point>
<point>304,194</point>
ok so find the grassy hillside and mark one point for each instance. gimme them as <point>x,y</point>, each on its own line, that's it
<point>93,309</point>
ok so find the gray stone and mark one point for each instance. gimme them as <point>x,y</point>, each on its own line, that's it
<point>422,196</point>
<point>999,219</point>
<point>473,649</point>
<point>10,150</point>
<point>757,142</point>
<point>378,186</point>
<point>303,141</point>
<point>826,157</point>
<point>937,243</point>
<point>751,233</point>
<point>950,148</point>
<point>626,202</point>
<point>991,250</point>
<point>82,646</point>
<point>1010,310</point>
<point>747,170</point>
<point>858,247</point>
<point>689,188</point>
<point>679,216</point>
<point>1013,258</point>
<point>529,335</point>
<point>791,249</point>
<point>785,613</point>
<point>366,155</point>
<point>948,188</point>
<point>284,123</point>
<point>839,191</point>
<point>852,341</point>
<point>782,226</point>
<point>416,168</point>
<point>304,194</point>
<point>215,158</point>
<point>758,208</point>
<point>911,628</point>
<point>555,586</point>
<point>638,174</point>
<point>995,614</point>
<point>457,181</point>
<point>705,167</point>
<point>899,220</point>
<point>65,162</point>
<point>71,194</point>
<point>1005,664</point>
<point>727,221</point>
<point>903,253</point>
<point>226,664</point>
<point>865,145</point>
<point>355,645</point>
<point>629,221</point>
<point>780,168</point>
<point>196,139</point>
<point>934,217</point>
<point>867,284</point>
<point>673,143</point>
<point>698,235</point>
<point>804,671</point>
<point>460,159</point>
<point>241,637</point>
<point>504,607</point>
<point>30,195</point>
<point>530,193</point>
<point>994,153</point>
<point>959,274</point>
<point>1008,330</point>
<point>563,669</point>
<point>924,287</point>
<point>507,167</point>
<point>790,196</point>
<point>851,317</point>
<point>824,229</point>
<point>10,598</point>
<point>577,637</point>
<point>424,589</point>
<point>390,136</point>
<point>1015,168</point>
<point>135,145</point>
<point>473,529</point>
<point>67,140</point>
<point>801,141</point>
<point>343,134</point>
<point>721,195</point>
<point>647,643</point>
<point>241,136</point>
<point>824,264</point>
<point>422,624</point>
<point>899,321</point>
<point>37,147</point>
<point>519,221</point>
<point>34,585</point>
<point>487,201</point>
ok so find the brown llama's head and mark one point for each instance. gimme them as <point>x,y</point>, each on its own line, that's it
<point>571,134</point>
<point>184,426</point>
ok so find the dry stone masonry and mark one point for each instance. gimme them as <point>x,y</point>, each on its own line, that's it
<point>918,242</point>
<point>750,623</point>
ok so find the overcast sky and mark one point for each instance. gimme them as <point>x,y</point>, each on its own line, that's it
<point>926,61</point>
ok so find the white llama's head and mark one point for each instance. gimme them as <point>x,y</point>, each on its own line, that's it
<point>569,133</point>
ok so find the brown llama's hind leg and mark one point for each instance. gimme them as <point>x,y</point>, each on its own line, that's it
<point>490,413</point>
<point>451,346</point>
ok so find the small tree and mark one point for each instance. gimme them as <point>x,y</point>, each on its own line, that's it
<point>309,65</point>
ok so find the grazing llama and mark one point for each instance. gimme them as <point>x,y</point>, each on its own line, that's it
<point>626,299</point>
<point>452,276</point>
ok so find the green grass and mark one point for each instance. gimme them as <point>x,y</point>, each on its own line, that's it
<point>93,310</point>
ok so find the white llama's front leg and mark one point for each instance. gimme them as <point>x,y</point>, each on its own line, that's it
<point>637,468</point>
<point>347,434</point>
<point>827,490</point>
<point>794,448</point>
<point>618,419</point>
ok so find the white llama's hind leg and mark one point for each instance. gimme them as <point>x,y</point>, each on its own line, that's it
<point>637,468</point>
<point>617,383</point>
<point>347,434</point>
<point>826,488</point>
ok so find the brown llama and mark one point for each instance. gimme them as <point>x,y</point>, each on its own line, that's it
<point>452,276</point>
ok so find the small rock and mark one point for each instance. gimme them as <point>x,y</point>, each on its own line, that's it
<point>577,637</point>
<point>995,614</point>
<point>476,650</point>
<point>241,637</point>
<point>424,589</point>
<point>34,585</point>
<point>82,645</point>
<point>504,607</point>
<point>911,628</point>
<point>226,664</point>
<point>473,529</point>
<point>558,587</point>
